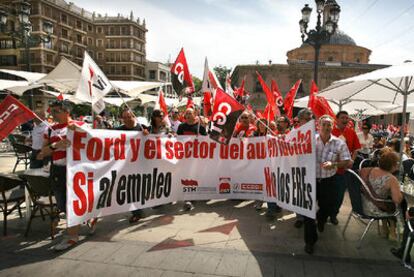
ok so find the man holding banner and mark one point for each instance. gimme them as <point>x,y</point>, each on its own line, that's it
<point>55,144</point>
<point>331,153</point>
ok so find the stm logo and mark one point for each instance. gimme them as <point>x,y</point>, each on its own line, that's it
<point>189,185</point>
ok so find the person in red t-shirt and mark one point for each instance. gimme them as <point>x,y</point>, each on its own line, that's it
<point>243,127</point>
<point>349,136</point>
<point>55,144</point>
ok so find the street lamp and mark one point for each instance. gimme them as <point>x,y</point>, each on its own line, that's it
<point>322,32</point>
<point>23,34</point>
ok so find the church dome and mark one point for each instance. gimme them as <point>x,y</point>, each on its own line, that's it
<point>339,37</point>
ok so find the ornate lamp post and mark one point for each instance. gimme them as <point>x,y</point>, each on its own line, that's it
<point>23,34</point>
<point>322,32</point>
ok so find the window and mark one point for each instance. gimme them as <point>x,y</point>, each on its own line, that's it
<point>78,24</point>
<point>49,59</point>
<point>6,44</point>
<point>163,76</point>
<point>79,38</point>
<point>8,60</point>
<point>330,59</point>
<point>64,33</point>
<point>100,30</point>
<point>100,56</point>
<point>358,60</point>
<point>258,87</point>
<point>99,42</point>
<point>112,69</point>
<point>124,70</point>
<point>90,42</point>
<point>64,18</point>
<point>124,44</point>
<point>64,48</point>
<point>152,74</point>
<point>89,28</point>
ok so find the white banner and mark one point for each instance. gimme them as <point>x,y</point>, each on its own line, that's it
<point>112,172</point>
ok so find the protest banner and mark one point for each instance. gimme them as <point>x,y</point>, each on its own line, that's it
<point>112,172</point>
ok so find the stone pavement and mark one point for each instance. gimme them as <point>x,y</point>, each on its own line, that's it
<point>218,238</point>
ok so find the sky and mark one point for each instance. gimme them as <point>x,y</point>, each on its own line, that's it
<point>235,32</point>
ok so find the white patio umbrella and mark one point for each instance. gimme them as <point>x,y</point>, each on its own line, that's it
<point>380,88</point>
<point>357,110</point>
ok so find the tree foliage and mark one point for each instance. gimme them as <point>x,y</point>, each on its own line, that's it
<point>221,73</point>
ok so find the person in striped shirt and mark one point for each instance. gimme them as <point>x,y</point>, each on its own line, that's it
<point>331,154</point>
<point>55,144</point>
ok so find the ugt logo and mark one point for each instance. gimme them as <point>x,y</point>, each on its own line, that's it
<point>8,112</point>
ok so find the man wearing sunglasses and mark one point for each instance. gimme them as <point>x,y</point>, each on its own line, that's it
<point>175,122</point>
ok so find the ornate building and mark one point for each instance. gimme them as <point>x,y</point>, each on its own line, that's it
<point>340,58</point>
<point>116,43</point>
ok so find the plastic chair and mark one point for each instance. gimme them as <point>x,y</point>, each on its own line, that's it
<point>355,194</point>
<point>41,193</point>
<point>10,195</point>
<point>22,153</point>
<point>408,243</point>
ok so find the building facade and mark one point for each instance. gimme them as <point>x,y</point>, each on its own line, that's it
<point>116,43</point>
<point>159,72</point>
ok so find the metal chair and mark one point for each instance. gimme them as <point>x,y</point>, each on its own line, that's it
<point>355,194</point>
<point>365,163</point>
<point>22,153</point>
<point>11,194</point>
<point>407,166</point>
<point>407,247</point>
<point>41,193</point>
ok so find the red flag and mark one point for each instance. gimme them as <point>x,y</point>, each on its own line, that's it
<point>239,92</point>
<point>190,102</point>
<point>290,99</point>
<point>12,114</point>
<point>60,97</point>
<point>269,96</point>
<point>318,104</point>
<point>207,103</point>
<point>259,115</point>
<point>180,75</point>
<point>268,113</point>
<point>276,94</point>
<point>226,111</point>
<point>163,105</point>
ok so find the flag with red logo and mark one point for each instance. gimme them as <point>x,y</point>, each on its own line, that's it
<point>226,112</point>
<point>180,75</point>
<point>277,95</point>
<point>12,114</point>
<point>93,84</point>
<point>290,99</point>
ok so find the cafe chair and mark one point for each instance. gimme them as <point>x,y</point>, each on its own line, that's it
<point>408,166</point>
<point>41,194</point>
<point>12,196</point>
<point>409,242</point>
<point>355,194</point>
<point>365,163</point>
<point>22,153</point>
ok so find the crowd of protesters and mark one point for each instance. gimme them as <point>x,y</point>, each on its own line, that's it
<point>338,148</point>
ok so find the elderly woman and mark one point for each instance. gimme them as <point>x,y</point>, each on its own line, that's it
<point>385,185</point>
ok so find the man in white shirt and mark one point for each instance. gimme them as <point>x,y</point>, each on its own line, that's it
<point>37,138</point>
<point>331,154</point>
<point>174,120</point>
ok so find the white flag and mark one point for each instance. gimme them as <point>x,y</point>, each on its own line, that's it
<point>93,84</point>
